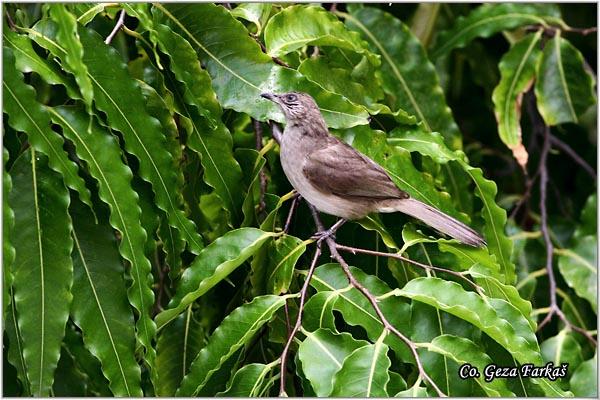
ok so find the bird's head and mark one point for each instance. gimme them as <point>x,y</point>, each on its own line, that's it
<point>295,105</point>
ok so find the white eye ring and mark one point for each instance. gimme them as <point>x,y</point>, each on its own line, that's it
<point>291,97</point>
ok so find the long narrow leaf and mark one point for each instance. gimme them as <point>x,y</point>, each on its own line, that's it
<point>43,268</point>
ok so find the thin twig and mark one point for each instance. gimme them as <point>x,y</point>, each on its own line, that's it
<point>571,153</point>
<point>373,300</point>
<point>116,28</point>
<point>303,293</point>
<point>293,206</point>
<point>554,309</point>
<point>408,260</point>
<point>264,50</point>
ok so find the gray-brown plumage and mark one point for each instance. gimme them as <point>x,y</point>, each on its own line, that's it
<point>338,180</point>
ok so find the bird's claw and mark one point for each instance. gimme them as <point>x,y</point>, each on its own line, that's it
<point>323,235</point>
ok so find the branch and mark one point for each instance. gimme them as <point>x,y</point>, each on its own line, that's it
<point>303,292</point>
<point>288,220</point>
<point>355,250</point>
<point>554,309</point>
<point>373,300</point>
<point>116,28</point>
<point>571,153</point>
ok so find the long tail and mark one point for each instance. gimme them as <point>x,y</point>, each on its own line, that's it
<point>440,221</point>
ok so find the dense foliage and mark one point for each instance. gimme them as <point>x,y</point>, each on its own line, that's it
<point>144,205</point>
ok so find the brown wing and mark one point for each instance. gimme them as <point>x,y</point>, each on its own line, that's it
<point>340,169</point>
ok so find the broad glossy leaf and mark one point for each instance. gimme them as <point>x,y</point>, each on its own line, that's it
<point>364,373</point>
<point>463,351</point>
<point>588,225</point>
<point>214,263</point>
<point>495,317</point>
<point>562,348</point>
<point>564,88</point>
<point>100,306</point>
<point>356,309</point>
<point>408,77</point>
<point>43,272</point>
<point>209,137</point>
<point>318,311</point>
<point>248,381</point>
<point>283,253</point>
<point>488,19</point>
<point>579,267</point>
<point>432,145</point>
<point>68,38</point>
<point>413,392</point>
<point>360,90</point>
<point>25,114</point>
<point>241,71</point>
<point>69,381</point>
<point>237,329</point>
<point>101,151</point>
<point>517,71</point>
<point>300,25</point>
<point>584,382</point>
<point>257,13</point>
<point>494,288</point>
<point>322,354</point>
<point>27,60</point>
<point>178,345</point>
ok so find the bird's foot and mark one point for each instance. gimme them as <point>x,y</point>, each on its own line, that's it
<point>329,233</point>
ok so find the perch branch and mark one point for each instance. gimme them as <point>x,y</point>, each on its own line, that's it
<point>571,153</point>
<point>296,327</point>
<point>373,300</point>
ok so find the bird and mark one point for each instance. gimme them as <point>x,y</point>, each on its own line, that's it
<point>339,180</point>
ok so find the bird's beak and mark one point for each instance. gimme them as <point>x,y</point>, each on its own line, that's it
<point>269,96</point>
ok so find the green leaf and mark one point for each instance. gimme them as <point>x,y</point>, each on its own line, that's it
<point>85,13</point>
<point>579,267</point>
<point>178,344</point>
<point>432,145</point>
<point>8,251</point>
<point>562,348</point>
<point>495,317</point>
<point>68,38</point>
<point>43,269</point>
<point>101,151</point>
<point>494,288</point>
<point>100,307</point>
<point>318,311</point>
<point>584,382</point>
<point>249,380</point>
<point>356,309</point>
<point>564,88</point>
<point>408,77</point>
<point>322,354</point>
<point>300,25</point>
<point>363,90</point>
<point>283,252</point>
<point>214,263</point>
<point>517,72</point>
<point>364,373</point>
<point>116,93</point>
<point>257,13</point>
<point>588,225</point>
<point>209,136</point>
<point>27,115</point>
<point>69,381</point>
<point>15,345</point>
<point>463,351</point>
<point>237,329</point>
<point>489,19</point>
<point>27,60</point>
<point>241,71</point>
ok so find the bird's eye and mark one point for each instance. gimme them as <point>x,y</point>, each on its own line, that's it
<point>291,97</point>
